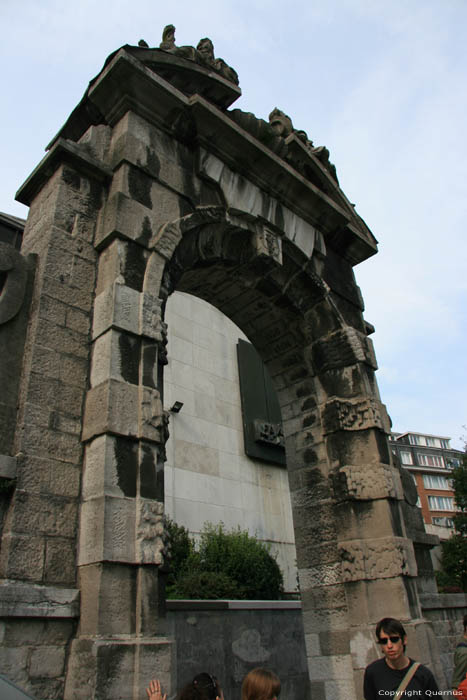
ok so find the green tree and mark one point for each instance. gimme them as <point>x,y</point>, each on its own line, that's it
<point>226,564</point>
<point>454,550</point>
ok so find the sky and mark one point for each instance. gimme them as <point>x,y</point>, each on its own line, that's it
<point>381,83</point>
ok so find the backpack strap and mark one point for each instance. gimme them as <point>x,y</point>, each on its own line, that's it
<point>407,678</point>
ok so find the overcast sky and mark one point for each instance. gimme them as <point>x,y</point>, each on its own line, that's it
<point>381,83</point>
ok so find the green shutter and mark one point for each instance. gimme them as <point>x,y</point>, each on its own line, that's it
<point>262,423</point>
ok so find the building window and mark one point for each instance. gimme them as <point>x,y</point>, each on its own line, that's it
<point>430,460</point>
<point>444,444</point>
<point>440,503</point>
<point>444,522</point>
<point>414,439</point>
<point>453,462</point>
<point>433,481</point>
<point>406,458</point>
<point>431,442</point>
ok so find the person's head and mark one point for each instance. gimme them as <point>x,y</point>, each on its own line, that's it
<point>260,684</point>
<point>202,687</point>
<point>465,624</point>
<point>391,637</point>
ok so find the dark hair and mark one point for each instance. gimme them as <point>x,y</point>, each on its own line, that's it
<point>389,625</point>
<point>202,687</point>
<point>260,684</point>
<point>465,622</point>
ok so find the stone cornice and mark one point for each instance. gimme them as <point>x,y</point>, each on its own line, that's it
<point>62,151</point>
<point>127,84</point>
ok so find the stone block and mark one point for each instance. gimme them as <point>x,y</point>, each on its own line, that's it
<point>43,514</point>
<point>333,643</point>
<point>60,561</point>
<point>117,306</point>
<point>358,518</point>
<point>13,662</point>
<point>107,530</point>
<point>26,600</point>
<point>116,356</point>
<point>22,557</point>
<point>365,600</point>
<point>108,599</point>
<point>324,668</point>
<point>354,415</point>
<point>330,597</point>
<point>7,467</point>
<point>47,662</point>
<point>127,218</point>
<point>340,690</point>
<point>110,469</point>
<point>363,647</point>
<point>366,482</point>
<point>112,406</point>
<point>343,347</point>
<point>62,339</point>
<point>382,557</point>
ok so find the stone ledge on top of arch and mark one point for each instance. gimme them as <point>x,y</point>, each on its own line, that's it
<point>62,151</point>
<point>382,557</point>
<point>124,409</point>
<point>242,195</point>
<point>366,482</point>
<point>352,415</point>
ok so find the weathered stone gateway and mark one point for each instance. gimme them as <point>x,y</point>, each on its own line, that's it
<point>155,185</point>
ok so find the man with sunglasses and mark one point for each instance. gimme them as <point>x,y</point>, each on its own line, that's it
<point>385,676</point>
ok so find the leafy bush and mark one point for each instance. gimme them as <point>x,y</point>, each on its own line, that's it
<point>224,565</point>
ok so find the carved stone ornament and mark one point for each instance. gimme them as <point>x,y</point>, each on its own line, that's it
<point>363,482</point>
<point>150,533</point>
<point>383,557</point>
<point>203,54</point>
<point>270,245</point>
<point>282,125</point>
<point>13,277</point>
<point>269,433</point>
<point>354,415</point>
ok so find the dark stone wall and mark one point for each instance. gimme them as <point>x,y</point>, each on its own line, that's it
<point>227,642</point>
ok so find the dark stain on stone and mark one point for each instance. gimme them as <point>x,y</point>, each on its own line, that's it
<point>153,163</point>
<point>129,347</point>
<point>309,420</point>
<point>309,403</point>
<point>149,365</point>
<point>139,186</point>
<point>279,217</point>
<point>396,518</point>
<point>70,177</point>
<point>126,458</point>
<point>383,448</point>
<point>299,373</point>
<point>303,390</point>
<point>310,457</point>
<point>146,232</point>
<point>135,266</point>
<point>148,474</point>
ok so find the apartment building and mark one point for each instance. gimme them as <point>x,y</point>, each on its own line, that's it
<point>431,460</point>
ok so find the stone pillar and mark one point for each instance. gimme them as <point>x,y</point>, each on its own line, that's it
<point>38,555</point>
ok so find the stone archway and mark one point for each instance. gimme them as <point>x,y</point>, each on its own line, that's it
<point>152,185</point>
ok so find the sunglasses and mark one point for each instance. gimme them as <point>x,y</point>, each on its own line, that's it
<point>384,641</point>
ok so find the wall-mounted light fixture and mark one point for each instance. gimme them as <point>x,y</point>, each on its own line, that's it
<point>177,407</point>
